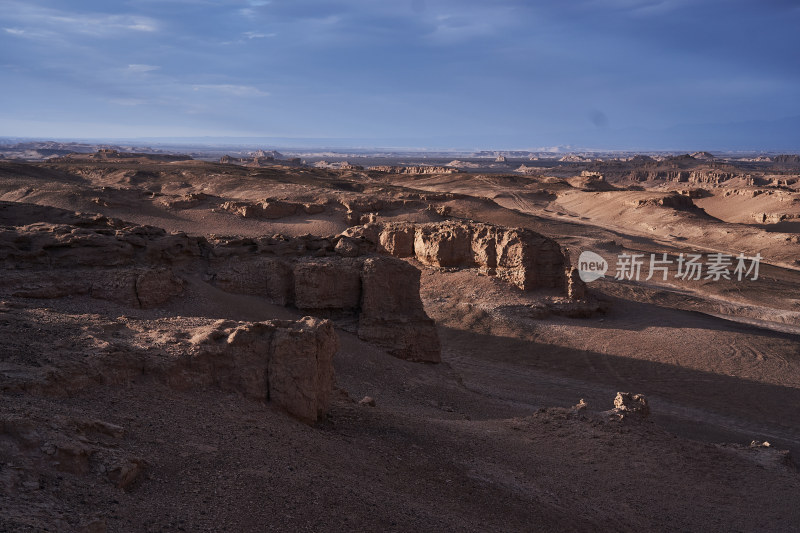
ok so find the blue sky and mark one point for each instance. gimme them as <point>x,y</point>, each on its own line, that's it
<point>639,74</point>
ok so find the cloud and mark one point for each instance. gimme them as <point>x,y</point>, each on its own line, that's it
<point>233,90</point>
<point>103,25</point>
<point>258,35</point>
<point>49,22</point>
<point>457,26</point>
<point>252,10</point>
<point>636,7</point>
<point>142,68</point>
<point>449,29</point>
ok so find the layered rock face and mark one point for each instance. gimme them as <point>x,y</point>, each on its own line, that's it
<point>714,177</point>
<point>288,363</point>
<point>70,254</point>
<point>519,256</point>
<point>327,283</point>
<point>381,292</point>
<point>95,256</point>
<point>392,315</point>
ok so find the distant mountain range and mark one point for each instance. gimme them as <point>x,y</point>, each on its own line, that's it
<point>774,136</point>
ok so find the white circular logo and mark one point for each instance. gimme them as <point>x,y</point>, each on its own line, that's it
<point>591,266</point>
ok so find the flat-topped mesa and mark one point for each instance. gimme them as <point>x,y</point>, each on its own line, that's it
<point>413,169</point>
<point>519,256</point>
<point>710,176</point>
<point>259,160</point>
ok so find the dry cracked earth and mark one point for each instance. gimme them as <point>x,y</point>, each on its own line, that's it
<point>193,346</point>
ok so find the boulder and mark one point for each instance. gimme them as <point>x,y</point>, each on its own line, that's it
<point>631,405</point>
<point>347,247</point>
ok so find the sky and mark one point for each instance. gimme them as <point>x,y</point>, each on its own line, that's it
<point>461,74</point>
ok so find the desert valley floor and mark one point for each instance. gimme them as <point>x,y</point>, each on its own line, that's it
<point>157,372</point>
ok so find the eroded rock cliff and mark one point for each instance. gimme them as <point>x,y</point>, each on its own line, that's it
<point>58,254</point>
<point>521,257</point>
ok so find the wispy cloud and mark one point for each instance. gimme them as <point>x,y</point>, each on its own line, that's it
<point>233,90</point>
<point>137,68</point>
<point>258,35</point>
<point>103,25</point>
<point>457,26</point>
<point>42,21</point>
<point>252,8</point>
<point>636,7</point>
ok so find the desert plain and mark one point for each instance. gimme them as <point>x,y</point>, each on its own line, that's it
<point>265,343</point>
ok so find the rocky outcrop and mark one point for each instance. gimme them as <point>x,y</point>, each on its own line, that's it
<point>576,288</point>
<point>338,165</point>
<point>95,256</point>
<point>787,159</point>
<point>709,176</point>
<point>774,218</point>
<point>260,158</point>
<point>627,405</point>
<point>392,315</point>
<point>380,293</point>
<point>328,284</point>
<point>135,287</point>
<point>443,245</point>
<point>144,267</point>
<point>397,240</point>
<point>271,209</point>
<point>463,164</point>
<point>521,257</point>
<point>265,277</point>
<point>413,169</point>
<point>287,363</point>
<point>694,193</point>
<point>187,201</point>
<point>673,200</point>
